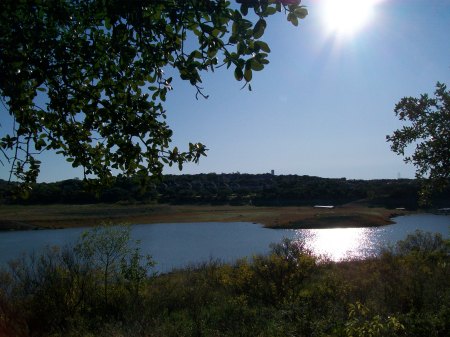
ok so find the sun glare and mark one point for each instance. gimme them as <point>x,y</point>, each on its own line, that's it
<point>336,243</point>
<point>347,17</point>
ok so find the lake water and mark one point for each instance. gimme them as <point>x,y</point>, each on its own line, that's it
<point>178,245</point>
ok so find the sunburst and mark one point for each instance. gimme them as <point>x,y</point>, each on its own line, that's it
<point>347,17</point>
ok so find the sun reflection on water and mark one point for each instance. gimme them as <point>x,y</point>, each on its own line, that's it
<point>337,243</point>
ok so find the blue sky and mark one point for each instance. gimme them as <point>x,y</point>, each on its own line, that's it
<point>323,105</point>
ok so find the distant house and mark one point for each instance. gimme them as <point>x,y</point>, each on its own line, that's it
<point>445,210</point>
<point>323,206</point>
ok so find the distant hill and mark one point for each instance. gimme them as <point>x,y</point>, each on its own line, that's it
<point>233,189</point>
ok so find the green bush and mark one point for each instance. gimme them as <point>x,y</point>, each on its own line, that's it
<point>101,276</point>
<point>423,243</point>
<point>103,288</point>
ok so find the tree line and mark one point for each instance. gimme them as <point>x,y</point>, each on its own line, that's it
<point>232,189</point>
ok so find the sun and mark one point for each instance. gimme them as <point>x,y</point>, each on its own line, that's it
<point>347,17</point>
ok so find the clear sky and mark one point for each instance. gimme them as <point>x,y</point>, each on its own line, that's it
<point>323,105</point>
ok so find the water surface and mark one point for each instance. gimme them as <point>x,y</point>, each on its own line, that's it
<point>342,243</point>
<point>181,244</point>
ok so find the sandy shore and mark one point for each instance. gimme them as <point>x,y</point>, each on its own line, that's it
<point>17,217</point>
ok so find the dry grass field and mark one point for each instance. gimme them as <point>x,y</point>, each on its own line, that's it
<point>62,216</point>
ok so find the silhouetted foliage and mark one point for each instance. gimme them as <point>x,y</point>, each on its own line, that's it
<point>233,189</point>
<point>89,79</point>
<point>428,130</point>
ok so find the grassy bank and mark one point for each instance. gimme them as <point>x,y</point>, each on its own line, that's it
<point>405,291</point>
<point>63,216</point>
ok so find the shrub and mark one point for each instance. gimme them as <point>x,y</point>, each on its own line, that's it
<point>65,287</point>
<point>422,243</point>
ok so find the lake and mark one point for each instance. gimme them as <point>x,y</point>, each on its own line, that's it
<point>181,244</point>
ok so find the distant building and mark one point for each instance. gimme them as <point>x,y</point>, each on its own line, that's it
<point>445,210</point>
<point>323,206</point>
<point>272,172</point>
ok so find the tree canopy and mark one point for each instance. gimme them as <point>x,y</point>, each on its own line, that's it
<point>89,79</point>
<point>428,128</point>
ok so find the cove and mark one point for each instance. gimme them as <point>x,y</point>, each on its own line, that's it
<point>182,244</point>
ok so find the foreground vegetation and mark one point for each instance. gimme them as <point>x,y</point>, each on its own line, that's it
<point>103,286</point>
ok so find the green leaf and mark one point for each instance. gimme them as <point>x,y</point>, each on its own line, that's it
<point>255,65</point>
<point>248,74</point>
<point>196,54</point>
<point>259,28</point>
<point>233,39</point>
<point>270,11</point>
<point>234,28</point>
<point>293,19</point>
<point>263,46</point>
<point>244,9</point>
<point>240,48</point>
<point>211,53</point>
<point>301,12</point>
<point>107,23</point>
<point>238,74</point>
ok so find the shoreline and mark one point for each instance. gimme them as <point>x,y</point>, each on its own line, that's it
<point>19,217</point>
